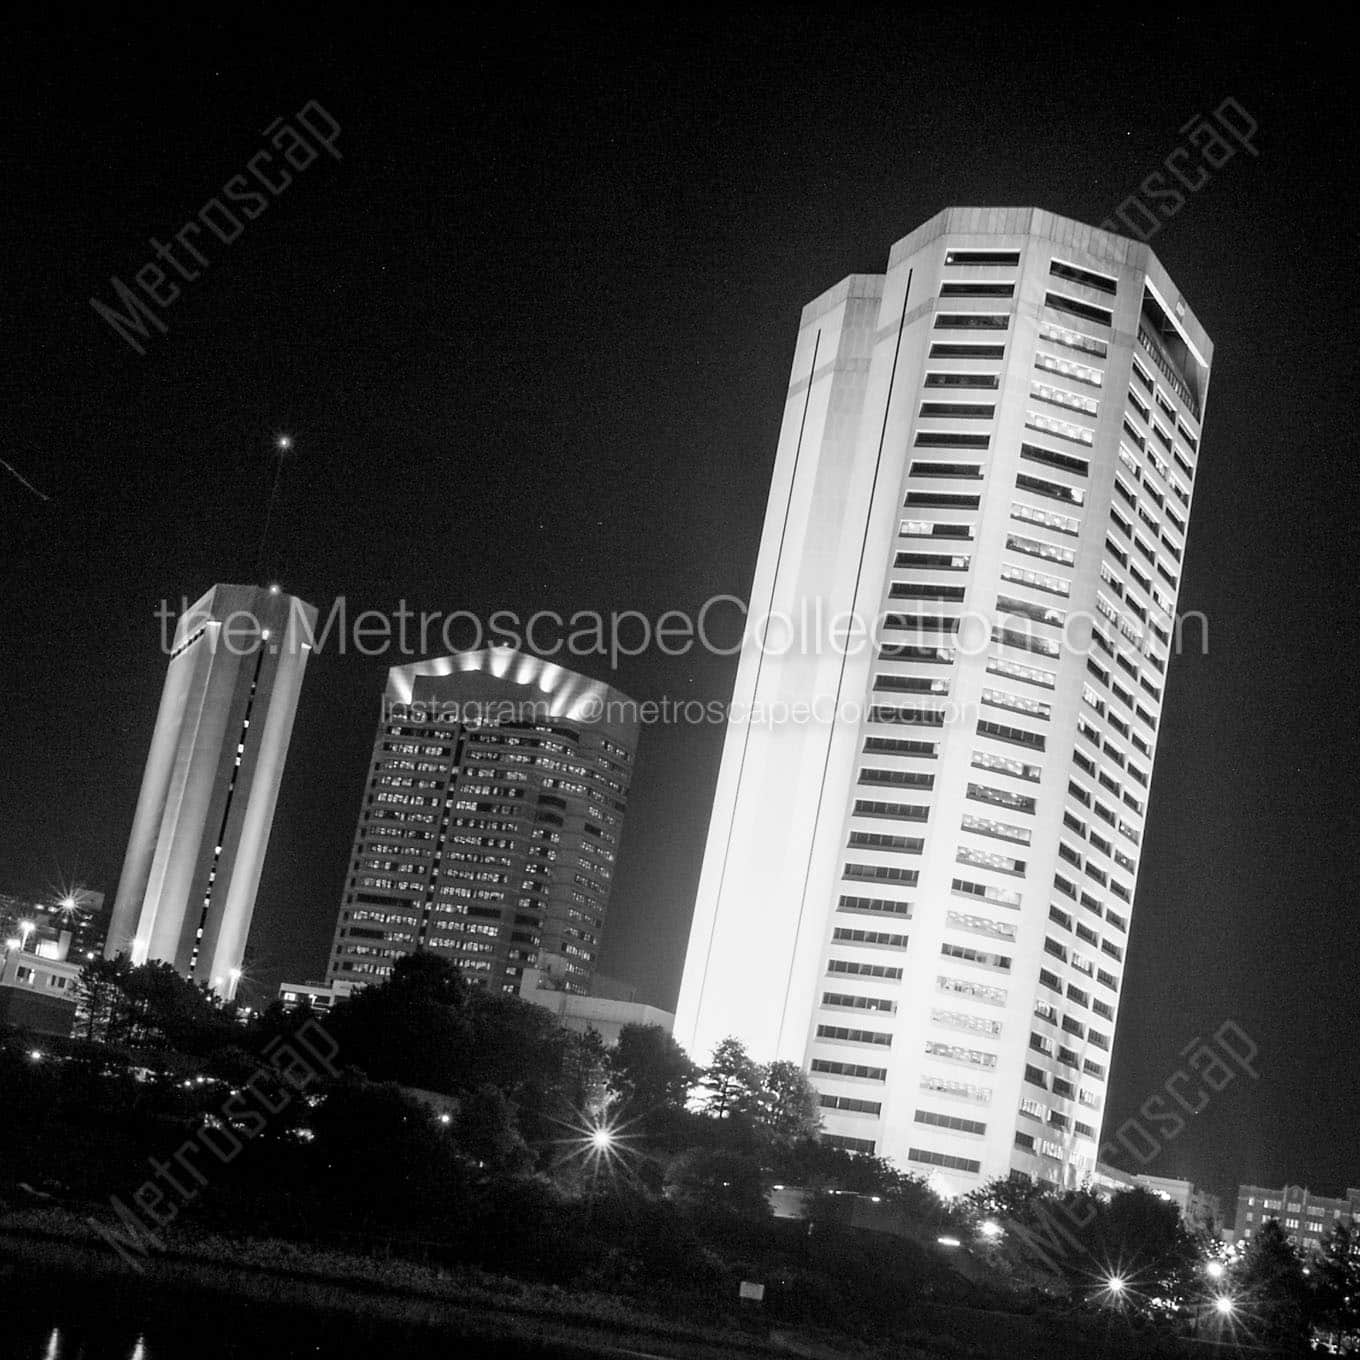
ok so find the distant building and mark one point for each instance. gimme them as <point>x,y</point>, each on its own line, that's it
<point>1200,1210</point>
<point>1306,1218</point>
<point>38,980</point>
<point>314,996</point>
<point>609,1007</point>
<point>490,822</point>
<point>203,817</point>
<point>607,1010</point>
<point>85,912</point>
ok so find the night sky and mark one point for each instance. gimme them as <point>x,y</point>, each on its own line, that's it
<point>531,335</point>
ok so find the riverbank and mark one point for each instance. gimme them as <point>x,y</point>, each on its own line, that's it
<point>459,1304</point>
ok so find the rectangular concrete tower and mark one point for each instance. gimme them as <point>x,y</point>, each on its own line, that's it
<point>201,828</point>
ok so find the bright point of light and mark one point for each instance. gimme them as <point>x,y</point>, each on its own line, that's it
<point>446,1118</point>
<point>601,1140</point>
<point>35,1054</point>
<point>948,1241</point>
<point>68,903</point>
<point>990,1229</point>
<point>14,943</point>
<point>1115,1284</point>
<point>1214,1270</point>
<point>274,589</point>
<point>1224,1305</point>
<point>234,974</point>
<point>26,928</point>
<point>285,442</point>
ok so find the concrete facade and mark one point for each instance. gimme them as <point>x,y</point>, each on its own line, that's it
<point>972,553</point>
<point>203,817</point>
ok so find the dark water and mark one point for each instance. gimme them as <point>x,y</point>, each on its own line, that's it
<point>62,1318</point>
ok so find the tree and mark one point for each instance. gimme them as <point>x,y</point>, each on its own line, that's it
<point>787,1107</point>
<point>732,1081</point>
<point>648,1069</point>
<point>1336,1293</point>
<point>150,1005</point>
<point>1270,1280</point>
<point>719,1185</point>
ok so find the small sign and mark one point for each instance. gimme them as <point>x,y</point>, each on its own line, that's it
<point>750,1290</point>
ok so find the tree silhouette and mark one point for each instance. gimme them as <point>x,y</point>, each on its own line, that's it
<point>732,1081</point>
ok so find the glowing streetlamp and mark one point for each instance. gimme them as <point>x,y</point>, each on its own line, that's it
<point>602,1139</point>
<point>26,928</point>
<point>1224,1306</point>
<point>1214,1270</point>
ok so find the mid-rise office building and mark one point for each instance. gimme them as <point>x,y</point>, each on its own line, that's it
<point>971,558</point>
<point>491,820</point>
<point>1305,1218</point>
<point>203,818</point>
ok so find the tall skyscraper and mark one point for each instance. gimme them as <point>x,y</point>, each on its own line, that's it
<point>971,557</point>
<point>203,817</point>
<point>490,823</point>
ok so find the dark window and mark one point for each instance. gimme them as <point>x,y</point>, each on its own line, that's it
<point>958,410</point>
<point>1101,282</point>
<point>1065,461</point>
<point>942,500</point>
<point>946,351</point>
<point>986,380</point>
<point>1085,310</point>
<point>998,290</point>
<point>971,321</point>
<point>949,1121</point>
<point>959,258</point>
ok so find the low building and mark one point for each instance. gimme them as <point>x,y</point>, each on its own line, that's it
<point>606,1009</point>
<point>606,1015</point>
<point>1306,1218</point>
<point>1200,1211</point>
<point>315,996</point>
<point>38,981</point>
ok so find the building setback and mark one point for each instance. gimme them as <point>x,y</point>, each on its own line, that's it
<point>491,821</point>
<point>201,828</point>
<point>986,462</point>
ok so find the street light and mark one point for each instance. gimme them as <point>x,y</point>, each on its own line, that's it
<point>602,1139</point>
<point>1224,1305</point>
<point>1214,1270</point>
<point>1115,1284</point>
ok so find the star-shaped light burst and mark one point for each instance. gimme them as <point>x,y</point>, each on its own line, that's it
<point>1117,1285</point>
<point>599,1144</point>
<point>68,900</point>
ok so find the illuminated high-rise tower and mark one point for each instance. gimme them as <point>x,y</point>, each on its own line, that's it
<point>984,481</point>
<point>201,828</point>
<point>491,821</point>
